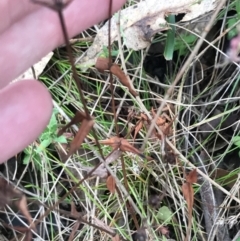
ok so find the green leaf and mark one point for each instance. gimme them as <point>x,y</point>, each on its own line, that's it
<point>236,140</point>
<point>26,159</point>
<point>165,214</point>
<point>45,135</point>
<point>51,129</point>
<point>233,32</point>
<point>60,139</point>
<point>182,41</point>
<point>170,41</point>
<point>238,8</point>
<point>43,145</point>
<point>53,121</point>
<point>105,53</point>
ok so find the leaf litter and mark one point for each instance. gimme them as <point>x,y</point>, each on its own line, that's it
<point>121,144</point>
<point>141,21</point>
<point>11,196</point>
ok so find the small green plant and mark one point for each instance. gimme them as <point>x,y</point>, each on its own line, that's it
<point>48,137</point>
<point>233,20</point>
<point>164,214</point>
<point>180,42</point>
<point>170,41</point>
<point>183,41</point>
<point>105,53</point>
<point>236,142</point>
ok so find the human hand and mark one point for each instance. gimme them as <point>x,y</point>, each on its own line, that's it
<point>27,33</point>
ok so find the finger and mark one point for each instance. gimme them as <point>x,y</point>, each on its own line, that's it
<point>38,33</point>
<point>12,11</point>
<point>26,108</point>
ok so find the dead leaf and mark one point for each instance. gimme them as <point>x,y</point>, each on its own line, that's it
<point>83,131</point>
<point>103,64</point>
<point>187,190</point>
<point>7,193</point>
<point>163,230</point>
<point>116,238</point>
<point>22,205</point>
<point>192,176</point>
<point>111,184</point>
<point>78,117</point>
<point>188,193</point>
<point>144,117</point>
<point>86,126</point>
<point>124,79</point>
<point>160,121</point>
<point>8,196</point>
<point>74,230</point>
<point>77,224</point>
<point>121,144</point>
<point>141,21</point>
<point>138,127</point>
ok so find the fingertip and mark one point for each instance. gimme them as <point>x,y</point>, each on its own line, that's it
<point>26,108</point>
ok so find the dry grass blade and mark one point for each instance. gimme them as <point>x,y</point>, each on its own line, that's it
<point>228,180</point>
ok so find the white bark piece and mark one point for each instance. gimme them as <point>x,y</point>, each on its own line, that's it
<point>38,68</point>
<point>138,23</point>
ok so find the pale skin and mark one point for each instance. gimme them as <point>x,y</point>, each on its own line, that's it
<point>27,33</point>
